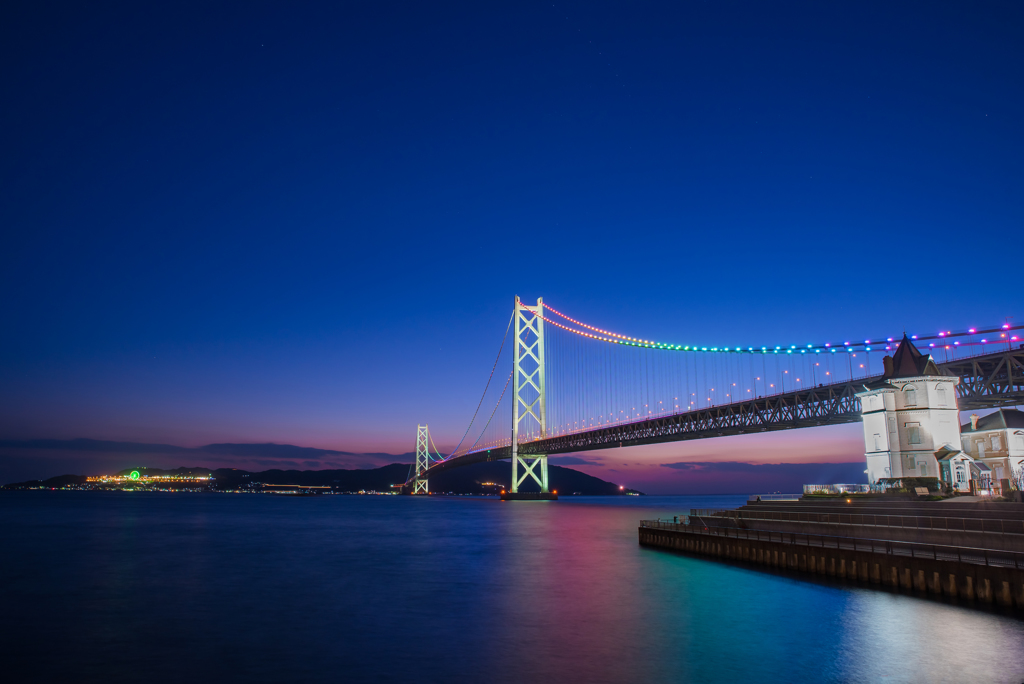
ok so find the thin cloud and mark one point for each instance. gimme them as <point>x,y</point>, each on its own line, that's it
<point>253,451</point>
<point>93,445</point>
<point>572,460</point>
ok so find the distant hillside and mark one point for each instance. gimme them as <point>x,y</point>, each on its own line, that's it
<point>470,479</point>
<point>377,479</point>
<point>54,482</point>
<point>467,480</point>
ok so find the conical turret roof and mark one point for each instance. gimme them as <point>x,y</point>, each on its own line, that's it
<point>908,362</point>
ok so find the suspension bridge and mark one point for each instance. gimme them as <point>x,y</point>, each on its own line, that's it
<point>563,386</point>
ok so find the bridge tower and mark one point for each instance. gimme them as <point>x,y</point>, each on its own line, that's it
<point>422,460</point>
<point>529,413</point>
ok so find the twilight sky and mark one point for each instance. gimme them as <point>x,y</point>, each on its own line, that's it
<point>265,222</point>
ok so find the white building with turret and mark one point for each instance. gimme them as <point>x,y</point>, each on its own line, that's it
<point>911,421</point>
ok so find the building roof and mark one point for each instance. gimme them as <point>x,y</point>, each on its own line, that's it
<point>1000,420</point>
<point>908,362</point>
<point>946,454</point>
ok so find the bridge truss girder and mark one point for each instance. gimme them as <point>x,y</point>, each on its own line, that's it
<point>828,405</point>
<point>989,381</point>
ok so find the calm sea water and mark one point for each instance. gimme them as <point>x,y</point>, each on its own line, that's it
<point>177,587</point>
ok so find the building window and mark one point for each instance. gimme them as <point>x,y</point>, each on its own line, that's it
<point>914,433</point>
<point>878,442</point>
<point>910,395</point>
<point>940,395</point>
<point>997,443</point>
<point>1019,438</point>
<point>981,449</point>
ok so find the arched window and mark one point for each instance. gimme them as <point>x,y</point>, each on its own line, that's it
<point>910,395</point>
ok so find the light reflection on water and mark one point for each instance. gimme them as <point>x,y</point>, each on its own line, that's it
<point>108,586</point>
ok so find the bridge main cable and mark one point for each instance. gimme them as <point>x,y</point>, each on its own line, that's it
<point>615,338</point>
<point>482,396</point>
<point>491,417</point>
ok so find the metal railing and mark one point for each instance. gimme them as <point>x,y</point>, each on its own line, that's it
<point>774,497</point>
<point>921,522</point>
<point>958,554</point>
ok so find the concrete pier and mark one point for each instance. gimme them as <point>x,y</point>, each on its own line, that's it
<point>986,576</point>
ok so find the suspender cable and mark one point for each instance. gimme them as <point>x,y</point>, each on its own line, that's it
<point>492,412</point>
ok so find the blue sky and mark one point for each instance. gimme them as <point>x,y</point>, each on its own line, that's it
<point>260,222</point>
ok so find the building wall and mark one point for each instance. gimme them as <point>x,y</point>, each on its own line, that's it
<point>881,444</point>
<point>909,421</point>
<point>1001,450</point>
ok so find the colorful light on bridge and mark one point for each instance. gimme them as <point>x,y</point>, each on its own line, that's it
<point>616,338</point>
